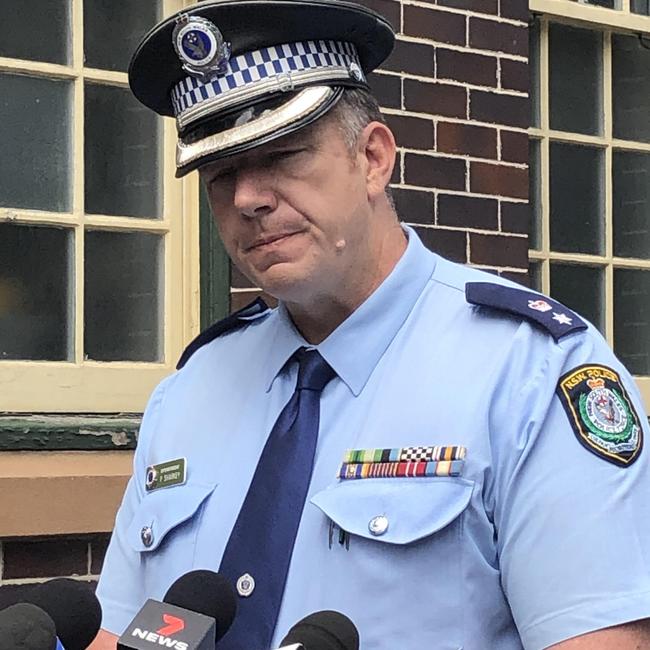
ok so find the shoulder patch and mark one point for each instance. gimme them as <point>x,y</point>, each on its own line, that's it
<point>550,314</point>
<point>601,413</point>
<point>257,309</point>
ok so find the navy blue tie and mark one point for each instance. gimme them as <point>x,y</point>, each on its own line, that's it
<point>259,550</point>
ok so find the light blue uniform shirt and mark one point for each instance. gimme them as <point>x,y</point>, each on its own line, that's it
<point>537,541</point>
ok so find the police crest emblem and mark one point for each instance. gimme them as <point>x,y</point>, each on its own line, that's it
<point>601,413</point>
<point>201,47</point>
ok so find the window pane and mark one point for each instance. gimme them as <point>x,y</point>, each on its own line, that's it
<point>123,157</point>
<point>640,7</point>
<point>632,319</point>
<point>631,176</point>
<point>36,132</point>
<point>582,289</point>
<point>535,274</point>
<point>36,298</point>
<point>575,74</point>
<point>36,30</point>
<point>123,296</point>
<point>611,4</point>
<point>577,204</point>
<point>631,88</point>
<point>112,30</point>
<point>535,193</point>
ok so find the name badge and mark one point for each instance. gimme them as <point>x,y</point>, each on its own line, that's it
<point>167,474</point>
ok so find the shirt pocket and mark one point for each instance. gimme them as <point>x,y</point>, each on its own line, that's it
<point>164,532</point>
<point>403,557</point>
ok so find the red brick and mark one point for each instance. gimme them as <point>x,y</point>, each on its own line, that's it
<point>514,146</point>
<point>515,217</point>
<point>51,557</point>
<point>434,171</point>
<point>414,206</point>
<point>515,75</point>
<point>451,244</point>
<point>441,26</point>
<point>387,89</point>
<point>478,141</point>
<point>467,211</point>
<point>465,66</point>
<point>435,98</point>
<point>500,37</point>
<point>498,250</point>
<point>510,110</point>
<point>412,132</point>
<point>389,9</point>
<point>411,58</point>
<point>98,546</point>
<point>515,10</point>
<point>243,298</point>
<point>480,6</point>
<point>486,178</point>
<point>520,278</point>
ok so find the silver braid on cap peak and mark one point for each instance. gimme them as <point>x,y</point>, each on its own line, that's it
<point>261,72</point>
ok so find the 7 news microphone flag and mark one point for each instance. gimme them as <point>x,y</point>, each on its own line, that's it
<point>197,610</point>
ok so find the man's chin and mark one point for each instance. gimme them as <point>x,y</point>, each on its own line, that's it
<point>285,282</point>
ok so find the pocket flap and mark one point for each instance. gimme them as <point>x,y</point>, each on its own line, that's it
<point>410,509</point>
<point>161,511</point>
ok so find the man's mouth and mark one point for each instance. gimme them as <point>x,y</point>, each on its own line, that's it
<point>267,240</point>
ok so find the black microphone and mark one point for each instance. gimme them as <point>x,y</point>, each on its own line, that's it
<point>26,627</point>
<point>327,630</point>
<point>196,612</point>
<point>73,607</point>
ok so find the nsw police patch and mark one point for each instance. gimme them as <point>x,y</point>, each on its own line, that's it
<point>601,413</point>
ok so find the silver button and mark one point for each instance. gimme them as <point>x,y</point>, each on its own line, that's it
<point>378,525</point>
<point>146,535</point>
<point>245,585</point>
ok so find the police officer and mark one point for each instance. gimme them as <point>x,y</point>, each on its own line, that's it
<point>447,458</point>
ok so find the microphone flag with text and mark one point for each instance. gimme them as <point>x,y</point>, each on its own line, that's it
<point>196,612</point>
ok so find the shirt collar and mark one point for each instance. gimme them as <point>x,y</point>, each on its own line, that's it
<point>355,347</point>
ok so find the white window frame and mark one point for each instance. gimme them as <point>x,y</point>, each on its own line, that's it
<point>82,385</point>
<point>619,20</point>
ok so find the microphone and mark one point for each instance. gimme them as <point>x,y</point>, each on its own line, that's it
<point>26,627</point>
<point>196,612</point>
<point>73,607</point>
<point>326,630</point>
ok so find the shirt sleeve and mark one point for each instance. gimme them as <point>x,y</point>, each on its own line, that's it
<point>572,520</point>
<point>121,584</point>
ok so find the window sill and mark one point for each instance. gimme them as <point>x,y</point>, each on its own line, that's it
<point>56,493</point>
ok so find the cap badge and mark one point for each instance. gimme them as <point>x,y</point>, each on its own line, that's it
<point>201,47</point>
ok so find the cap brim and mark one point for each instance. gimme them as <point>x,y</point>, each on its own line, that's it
<point>298,111</point>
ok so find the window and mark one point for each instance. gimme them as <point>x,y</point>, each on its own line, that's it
<point>590,167</point>
<point>98,241</point>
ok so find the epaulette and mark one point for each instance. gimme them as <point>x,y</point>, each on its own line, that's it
<point>235,321</point>
<point>550,314</point>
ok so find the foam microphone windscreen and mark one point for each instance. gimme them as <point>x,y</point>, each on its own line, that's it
<point>207,593</point>
<point>326,630</point>
<point>73,607</point>
<point>26,627</point>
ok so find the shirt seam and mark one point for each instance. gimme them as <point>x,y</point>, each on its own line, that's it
<point>577,608</point>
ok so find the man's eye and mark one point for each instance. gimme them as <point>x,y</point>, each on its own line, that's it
<point>285,154</point>
<point>221,176</point>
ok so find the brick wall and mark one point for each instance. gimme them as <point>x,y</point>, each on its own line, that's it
<point>24,562</point>
<point>455,93</point>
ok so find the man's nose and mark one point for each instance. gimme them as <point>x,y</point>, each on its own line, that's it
<point>254,193</point>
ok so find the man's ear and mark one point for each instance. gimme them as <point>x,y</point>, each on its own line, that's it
<point>377,145</point>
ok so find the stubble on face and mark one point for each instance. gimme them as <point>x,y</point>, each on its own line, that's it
<point>289,212</point>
